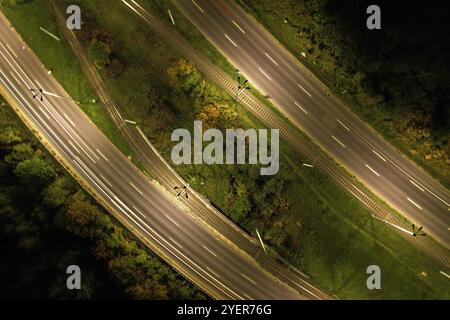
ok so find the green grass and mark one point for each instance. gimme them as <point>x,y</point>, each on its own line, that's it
<point>327,233</point>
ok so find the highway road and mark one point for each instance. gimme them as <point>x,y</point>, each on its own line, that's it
<point>301,97</point>
<point>194,250</point>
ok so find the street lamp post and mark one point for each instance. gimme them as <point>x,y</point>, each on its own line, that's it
<point>181,191</point>
<point>37,94</point>
<point>242,85</point>
<point>417,231</point>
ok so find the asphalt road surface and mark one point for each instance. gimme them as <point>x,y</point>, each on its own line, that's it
<point>215,266</point>
<point>275,72</point>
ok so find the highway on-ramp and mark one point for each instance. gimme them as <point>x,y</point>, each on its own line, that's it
<point>305,101</point>
<point>154,215</point>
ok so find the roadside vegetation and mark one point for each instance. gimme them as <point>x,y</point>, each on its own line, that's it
<point>397,79</point>
<point>47,222</point>
<point>300,212</point>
